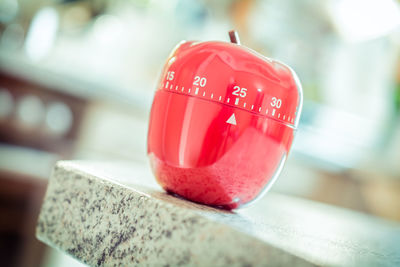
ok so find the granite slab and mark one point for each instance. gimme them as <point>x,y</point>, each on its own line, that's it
<point>114,214</point>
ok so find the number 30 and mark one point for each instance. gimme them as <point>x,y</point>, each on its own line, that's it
<point>276,102</point>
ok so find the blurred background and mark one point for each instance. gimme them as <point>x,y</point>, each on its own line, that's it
<point>77,79</point>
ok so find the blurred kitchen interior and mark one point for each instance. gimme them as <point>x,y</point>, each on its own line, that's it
<point>77,80</point>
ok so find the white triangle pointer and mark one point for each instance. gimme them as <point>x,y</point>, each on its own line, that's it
<point>232,119</point>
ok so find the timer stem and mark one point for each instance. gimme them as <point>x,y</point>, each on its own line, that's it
<point>234,36</point>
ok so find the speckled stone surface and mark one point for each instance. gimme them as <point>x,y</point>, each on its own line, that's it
<point>113,214</point>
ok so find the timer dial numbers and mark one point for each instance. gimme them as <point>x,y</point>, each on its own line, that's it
<point>276,102</point>
<point>200,81</point>
<point>239,91</point>
<point>170,75</point>
<point>239,96</point>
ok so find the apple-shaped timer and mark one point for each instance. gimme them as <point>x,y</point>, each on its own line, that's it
<point>222,122</point>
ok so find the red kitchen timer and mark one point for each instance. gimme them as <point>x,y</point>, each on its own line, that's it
<point>222,122</point>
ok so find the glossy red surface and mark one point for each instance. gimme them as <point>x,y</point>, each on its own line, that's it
<point>222,123</point>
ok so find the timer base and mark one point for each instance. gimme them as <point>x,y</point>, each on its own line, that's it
<point>110,213</point>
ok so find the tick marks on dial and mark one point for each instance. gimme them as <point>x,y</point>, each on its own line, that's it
<point>236,101</point>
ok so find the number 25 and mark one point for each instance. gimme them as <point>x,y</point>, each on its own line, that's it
<point>239,91</point>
